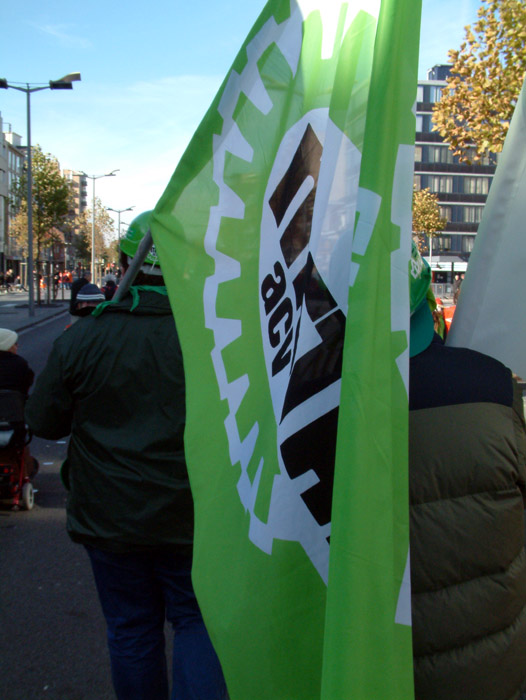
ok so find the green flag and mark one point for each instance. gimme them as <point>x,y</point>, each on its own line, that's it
<point>284,229</point>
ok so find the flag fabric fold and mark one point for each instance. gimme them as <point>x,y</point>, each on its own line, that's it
<point>284,238</point>
<point>491,312</point>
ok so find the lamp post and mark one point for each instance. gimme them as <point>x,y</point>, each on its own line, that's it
<point>93,178</point>
<point>123,223</point>
<point>126,225</point>
<point>119,212</point>
<point>64,83</point>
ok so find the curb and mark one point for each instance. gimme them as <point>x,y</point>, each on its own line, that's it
<point>38,322</point>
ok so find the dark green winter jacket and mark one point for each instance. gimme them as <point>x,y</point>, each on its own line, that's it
<point>116,383</point>
<point>467,463</point>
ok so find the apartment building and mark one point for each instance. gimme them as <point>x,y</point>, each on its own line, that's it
<point>4,189</point>
<point>11,167</point>
<point>80,188</point>
<point>462,188</point>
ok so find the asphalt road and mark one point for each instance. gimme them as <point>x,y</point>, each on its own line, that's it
<point>52,634</point>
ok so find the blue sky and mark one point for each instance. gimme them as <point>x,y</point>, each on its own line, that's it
<point>149,72</point>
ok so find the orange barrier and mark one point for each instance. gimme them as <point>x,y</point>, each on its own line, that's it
<point>449,312</point>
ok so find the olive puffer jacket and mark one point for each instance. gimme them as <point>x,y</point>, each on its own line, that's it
<point>116,383</point>
<point>467,462</point>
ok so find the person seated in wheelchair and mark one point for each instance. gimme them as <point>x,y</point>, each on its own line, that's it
<point>16,377</point>
<point>15,373</point>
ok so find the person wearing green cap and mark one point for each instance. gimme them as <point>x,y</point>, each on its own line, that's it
<point>467,480</point>
<point>115,380</point>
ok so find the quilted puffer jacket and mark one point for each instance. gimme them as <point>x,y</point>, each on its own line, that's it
<point>467,460</point>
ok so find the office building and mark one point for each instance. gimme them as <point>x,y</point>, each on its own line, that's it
<point>462,188</point>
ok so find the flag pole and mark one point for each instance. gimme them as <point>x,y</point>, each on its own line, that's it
<point>135,265</point>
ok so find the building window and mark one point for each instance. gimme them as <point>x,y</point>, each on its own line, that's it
<point>420,93</point>
<point>417,182</point>
<point>441,244</point>
<point>445,212</point>
<point>441,183</point>
<point>467,243</point>
<point>476,185</point>
<point>472,215</point>
<point>486,159</point>
<point>423,122</point>
<point>439,154</point>
<point>418,154</point>
<point>434,154</point>
<point>435,93</point>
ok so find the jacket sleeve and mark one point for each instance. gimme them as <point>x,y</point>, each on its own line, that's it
<point>49,409</point>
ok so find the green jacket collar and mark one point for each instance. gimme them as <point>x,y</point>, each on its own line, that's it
<point>123,304</point>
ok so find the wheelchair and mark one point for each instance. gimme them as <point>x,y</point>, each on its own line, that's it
<point>17,467</point>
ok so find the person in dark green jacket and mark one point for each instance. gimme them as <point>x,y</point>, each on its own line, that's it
<point>467,480</point>
<point>115,382</point>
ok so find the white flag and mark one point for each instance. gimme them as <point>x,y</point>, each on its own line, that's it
<point>491,313</point>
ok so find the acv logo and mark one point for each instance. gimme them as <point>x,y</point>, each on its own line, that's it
<point>305,262</point>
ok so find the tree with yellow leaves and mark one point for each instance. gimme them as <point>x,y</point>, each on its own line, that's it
<point>426,216</point>
<point>487,73</point>
<point>51,202</point>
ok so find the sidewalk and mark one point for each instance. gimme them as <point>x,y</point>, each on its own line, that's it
<point>14,310</point>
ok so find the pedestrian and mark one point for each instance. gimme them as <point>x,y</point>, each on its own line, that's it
<point>75,287</point>
<point>457,287</point>
<point>88,297</point>
<point>116,381</point>
<point>9,279</point>
<point>110,287</point>
<point>467,497</point>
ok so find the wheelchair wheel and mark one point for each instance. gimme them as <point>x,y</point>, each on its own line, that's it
<point>28,496</point>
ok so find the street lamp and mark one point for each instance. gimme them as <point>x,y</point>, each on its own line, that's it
<point>119,212</point>
<point>126,225</point>
<point>64,83</point>
<point>93,178</point>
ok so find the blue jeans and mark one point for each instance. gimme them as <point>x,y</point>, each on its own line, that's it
<point>138,591</point>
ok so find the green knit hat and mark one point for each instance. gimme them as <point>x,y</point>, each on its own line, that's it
<point>422,326</point>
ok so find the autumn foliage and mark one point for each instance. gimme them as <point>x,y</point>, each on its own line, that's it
<point>426,216</point>
<point>487,73</point>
